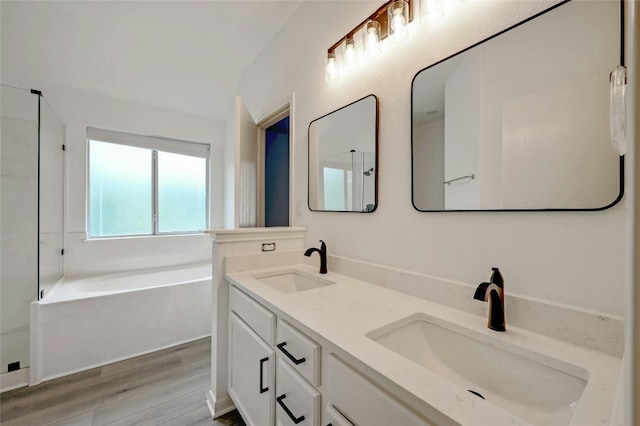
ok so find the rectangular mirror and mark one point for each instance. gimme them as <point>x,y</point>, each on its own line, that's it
<point>520,121</point>
<point>343,169</point>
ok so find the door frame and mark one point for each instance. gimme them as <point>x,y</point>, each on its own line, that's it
<point>285,110</point>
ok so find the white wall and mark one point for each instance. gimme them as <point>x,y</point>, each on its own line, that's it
<point>575,258</point>
<point>79,110</point>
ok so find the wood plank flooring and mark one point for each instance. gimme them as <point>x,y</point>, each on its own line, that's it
<point>162,388</point>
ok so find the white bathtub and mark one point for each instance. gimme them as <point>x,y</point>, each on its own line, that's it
<point>91,321</point>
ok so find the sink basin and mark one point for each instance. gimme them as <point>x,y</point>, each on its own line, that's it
<point>533,386</point>
<point>292,281</point>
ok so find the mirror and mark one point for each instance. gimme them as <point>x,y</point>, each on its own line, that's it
<point>520,121</point>
<point>343,169</point>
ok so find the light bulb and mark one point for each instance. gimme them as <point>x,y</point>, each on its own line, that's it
<point>398,17</point>
<point>332,71</point>
<point>371,38</point>
<point>350,58</point>
<point>397,22</point>
<point>431,10</point>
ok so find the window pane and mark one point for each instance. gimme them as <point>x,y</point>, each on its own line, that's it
<point>120,190</point>
<point>182,193</point>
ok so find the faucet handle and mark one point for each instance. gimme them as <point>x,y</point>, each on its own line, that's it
<point>496,278</point>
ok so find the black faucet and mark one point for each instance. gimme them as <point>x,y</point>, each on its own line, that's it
<point>323,256</point>
<point>493,292</point>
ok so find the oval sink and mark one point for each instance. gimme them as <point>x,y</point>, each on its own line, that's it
<point>292,281</point>
<point>532,386</point>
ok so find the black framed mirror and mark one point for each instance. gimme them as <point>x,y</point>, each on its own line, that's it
<point>343,161</point>
<point>520,121</point>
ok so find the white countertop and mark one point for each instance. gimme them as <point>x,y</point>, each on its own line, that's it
<point>345,312</point>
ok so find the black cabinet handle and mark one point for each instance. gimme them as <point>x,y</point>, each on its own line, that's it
<point>291,357</point>
<point>293,418</point>
<point>262,361</point>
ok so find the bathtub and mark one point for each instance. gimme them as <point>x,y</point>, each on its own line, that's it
<point>86,322</point>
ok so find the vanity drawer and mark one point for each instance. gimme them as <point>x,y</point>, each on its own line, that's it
<point>361,402</point>
<point>302,353</point>
<point>297,402</point>
<point>260,319</point>
<point>334,418</point>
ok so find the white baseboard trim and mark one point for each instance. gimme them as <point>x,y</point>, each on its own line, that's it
<point>218,408</point>
<point>15,379</point>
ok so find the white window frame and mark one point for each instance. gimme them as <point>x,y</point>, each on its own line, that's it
<point>155,144</point>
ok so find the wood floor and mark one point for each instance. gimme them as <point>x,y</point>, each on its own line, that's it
<point>163,388</point>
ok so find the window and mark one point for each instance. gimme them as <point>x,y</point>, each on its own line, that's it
<point>141,185</point>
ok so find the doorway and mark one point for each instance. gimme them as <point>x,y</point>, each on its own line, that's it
<point>276,173</point>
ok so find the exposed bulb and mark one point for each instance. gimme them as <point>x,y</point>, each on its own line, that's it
<point>398,19</point>
<point>431,10</point>
<point>371,38</point>
<point>397,22</point>
<point>350,57</point>
<point>332,72</point>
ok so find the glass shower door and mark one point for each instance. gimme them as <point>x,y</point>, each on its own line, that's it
<point>51,196</point>
<point>18,223</point>
<point>31,215</point>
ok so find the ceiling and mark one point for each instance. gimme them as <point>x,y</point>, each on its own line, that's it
<point>187,56</point>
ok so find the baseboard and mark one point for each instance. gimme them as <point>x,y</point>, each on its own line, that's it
<point>15,379</point>
<point>218,408</point>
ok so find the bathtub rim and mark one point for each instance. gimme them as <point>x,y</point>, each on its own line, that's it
<point>69,280</point>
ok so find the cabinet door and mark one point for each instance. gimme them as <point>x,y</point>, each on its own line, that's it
<point>361,402</point>
<point>252,374</point>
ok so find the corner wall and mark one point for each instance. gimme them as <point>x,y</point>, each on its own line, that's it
<point>576,258</point>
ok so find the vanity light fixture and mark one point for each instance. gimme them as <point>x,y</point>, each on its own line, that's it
<point>389,21</point>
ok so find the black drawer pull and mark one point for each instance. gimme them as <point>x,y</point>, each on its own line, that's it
<point>262,361</point>
<point>291,357</point>
<point>286,410</point>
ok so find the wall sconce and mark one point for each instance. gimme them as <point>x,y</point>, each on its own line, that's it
<point>390,20</point>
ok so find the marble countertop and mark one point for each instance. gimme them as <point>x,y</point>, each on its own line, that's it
<point>343,314</point>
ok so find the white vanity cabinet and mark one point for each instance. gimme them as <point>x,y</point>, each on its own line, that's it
<point>280,376</point>
<point>291,399</point>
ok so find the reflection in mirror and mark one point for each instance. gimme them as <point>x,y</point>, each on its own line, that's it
<point>342,158</point>
<point>521,120</point>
